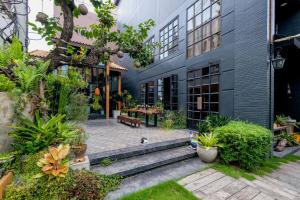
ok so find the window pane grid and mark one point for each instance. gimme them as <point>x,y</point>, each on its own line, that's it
<point>203,94</point>
<point>169,39</point>
<point>203,22</point>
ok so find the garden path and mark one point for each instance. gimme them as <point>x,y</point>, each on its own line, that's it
<point>282,184</point>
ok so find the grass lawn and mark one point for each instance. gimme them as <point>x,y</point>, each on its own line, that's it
<point>165,191</point>
<point>267,167</point>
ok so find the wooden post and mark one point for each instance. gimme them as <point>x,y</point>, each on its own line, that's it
<point>107,90</point>
<point>120,90</point>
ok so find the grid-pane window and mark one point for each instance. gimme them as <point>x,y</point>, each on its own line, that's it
<point>160,89</point>
<point>203,27</point>
<point>151,41</point>
<point>167,92</point>
<point>150,93</point>
<point>169,39</point>
<point>203,94</point>
<point>147,93</point>
<point>142,93</point>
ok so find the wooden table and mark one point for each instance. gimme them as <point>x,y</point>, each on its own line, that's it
<point>145,112</point>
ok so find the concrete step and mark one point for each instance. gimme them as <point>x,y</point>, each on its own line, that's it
<point>142,163</point>
<point>115,155</point>
<point>155,176</point>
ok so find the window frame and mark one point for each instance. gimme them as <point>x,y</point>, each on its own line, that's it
<point>190,47</point>
<point>162,38</point>
<point>197,91</point>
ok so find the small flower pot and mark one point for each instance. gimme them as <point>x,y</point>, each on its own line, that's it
<point>79,151</point>
<point>207,155</point>
<point>116,113</point>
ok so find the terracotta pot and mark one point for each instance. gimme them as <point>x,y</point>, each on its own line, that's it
<point>79,151</point>
<point>207,155</point>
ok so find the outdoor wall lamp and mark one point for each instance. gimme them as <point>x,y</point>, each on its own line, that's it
<point>278,61</point>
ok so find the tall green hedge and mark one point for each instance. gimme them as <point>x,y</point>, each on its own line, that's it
<point>244,144</point>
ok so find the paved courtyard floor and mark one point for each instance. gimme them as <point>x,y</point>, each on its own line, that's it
<point>107,135</point>
<point>282,184</point>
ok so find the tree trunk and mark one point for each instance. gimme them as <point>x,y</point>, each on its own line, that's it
<point>67,9</point>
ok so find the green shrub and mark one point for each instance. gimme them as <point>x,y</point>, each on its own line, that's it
<point>211,122</point>
<point>6,85</point>
<point>244,144</point>
<point>82,185</point>
<point>31,136</point>
<point>174,119</point>
<point>77,109</point>
<point>168,124</point>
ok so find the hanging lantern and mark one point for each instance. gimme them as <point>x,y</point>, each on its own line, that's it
<point>97,92</point>
<point>41,17</point>
<point>120,54</point>
<point>83,9</point>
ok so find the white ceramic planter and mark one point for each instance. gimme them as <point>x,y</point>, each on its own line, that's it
<point>116,113</point>
<point>207,155</point>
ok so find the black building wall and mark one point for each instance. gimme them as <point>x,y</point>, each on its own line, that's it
<point>243,54</point>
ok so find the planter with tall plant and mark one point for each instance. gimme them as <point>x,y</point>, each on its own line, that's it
<point>116,112</point>
<point>78,145</point>
<point>207,149</point>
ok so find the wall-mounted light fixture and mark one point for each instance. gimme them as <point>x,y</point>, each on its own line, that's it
<point>278,61</point>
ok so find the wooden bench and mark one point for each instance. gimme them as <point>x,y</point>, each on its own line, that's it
<point>130,120</point>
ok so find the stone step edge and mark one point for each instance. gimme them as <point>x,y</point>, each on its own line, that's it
<point>115,155</point>
<point>147,167</point>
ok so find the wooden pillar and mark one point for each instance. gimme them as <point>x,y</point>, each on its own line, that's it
<point>120,90</point>
<point>107,97</point>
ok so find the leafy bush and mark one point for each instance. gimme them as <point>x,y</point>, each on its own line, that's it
<point>83,185</point>
<point>244,144</point>
<point>77,109</point>
<point>75,185</point>
<point>168,124</point>
<point>174,119</point>
<point>211,122</point>
<point>31,136</point>
<point>6,85</point>
<point>29,76</point>
<point>11,52</point>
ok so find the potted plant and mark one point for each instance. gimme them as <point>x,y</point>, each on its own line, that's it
<point>79,145</point>
<point>117,98</point>
<point>280,121</point>
<point>207,148</point>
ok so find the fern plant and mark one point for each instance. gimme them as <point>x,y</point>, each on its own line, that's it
<point>29,76</point>
<point>10,53</point>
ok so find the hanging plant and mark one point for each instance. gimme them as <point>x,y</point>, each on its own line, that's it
<point>120,54</point>
<point>97,92</point>
<point>95,105</point>
<point>41,17</point>
<point>83,9</point>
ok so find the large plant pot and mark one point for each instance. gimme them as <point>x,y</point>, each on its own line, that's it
<point>79,151</point>
<point>207,155</point>
<point>116,113</point>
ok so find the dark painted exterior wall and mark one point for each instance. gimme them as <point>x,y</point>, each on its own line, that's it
<point>243,54</point>
<point>288,24</point>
